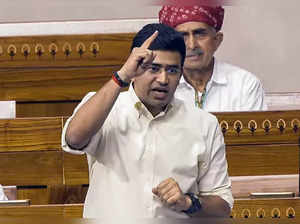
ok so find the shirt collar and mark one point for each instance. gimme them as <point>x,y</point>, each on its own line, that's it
<point>217,76</point>
<point>141,109</point>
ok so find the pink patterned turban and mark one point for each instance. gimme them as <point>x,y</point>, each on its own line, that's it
<point>172,15</point>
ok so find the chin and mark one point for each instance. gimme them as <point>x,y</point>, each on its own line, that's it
<point>194,66</point>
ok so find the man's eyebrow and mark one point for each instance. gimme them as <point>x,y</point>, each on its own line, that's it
<point>173,66</point>
<point>167,66</point>
<point>198,30</point>
<point>183,32</point>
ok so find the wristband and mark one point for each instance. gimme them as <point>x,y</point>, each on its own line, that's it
<point>196,204</point>
<point>119,81</point>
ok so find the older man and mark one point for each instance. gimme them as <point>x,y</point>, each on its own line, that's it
<point>149,154</point>
<point>208,83</point>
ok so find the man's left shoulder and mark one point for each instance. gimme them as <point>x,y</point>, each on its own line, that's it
<point>232,69</point>
<point>236,73</point>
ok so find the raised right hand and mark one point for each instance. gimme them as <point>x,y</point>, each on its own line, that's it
<point>139,56</point>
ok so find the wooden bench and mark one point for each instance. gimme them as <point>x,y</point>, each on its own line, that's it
<point>48,75</point>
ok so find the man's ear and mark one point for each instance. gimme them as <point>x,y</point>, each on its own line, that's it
<point>218,39</point>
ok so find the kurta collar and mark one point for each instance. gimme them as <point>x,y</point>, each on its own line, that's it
<point>217,77</point>
<point>142,109</point>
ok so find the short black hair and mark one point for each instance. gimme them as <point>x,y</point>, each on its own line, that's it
<point>168,39</point>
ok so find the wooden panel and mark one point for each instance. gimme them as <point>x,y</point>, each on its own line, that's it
<point>54,84</point>
<point>243,186</point>
<point>290,120</point>
<point>266,207</point>
<point>64,194</point>
<point>45,109</point>
<point>243,207</point>
<point>274,136</point>
<point>30,134</point>
<point>290,134</point>
<point>74,211</point>
<point>75,169</point>
<point>106,46</point>
<point>262,160</point>
<point>75,194</point>
<point>31,168</point>
<point>37,195</point>
<point>53,194</point>
<point>33,210</point>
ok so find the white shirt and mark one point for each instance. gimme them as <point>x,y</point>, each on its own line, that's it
<point>2,195</point>
<point>133,152</point>
<point>229,89</point>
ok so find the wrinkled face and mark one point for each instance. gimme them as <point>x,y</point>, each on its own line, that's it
<point>156,86</point>
<point>201,43</point>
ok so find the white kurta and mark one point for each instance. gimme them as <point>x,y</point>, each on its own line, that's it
<point>133,152</point>
<point>229,89</point>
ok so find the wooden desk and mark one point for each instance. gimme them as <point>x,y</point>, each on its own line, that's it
<point>60,210</point>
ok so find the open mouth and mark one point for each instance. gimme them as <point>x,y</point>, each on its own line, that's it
<point>160,90</point>
<point>160,93</point>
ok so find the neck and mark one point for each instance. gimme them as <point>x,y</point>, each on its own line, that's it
<point>155,111</point>
<point>198,78</point>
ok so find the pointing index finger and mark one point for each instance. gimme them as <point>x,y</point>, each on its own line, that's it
<point>149,41</point>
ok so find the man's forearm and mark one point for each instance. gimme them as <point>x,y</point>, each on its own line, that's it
<point>213,206</point>
<point>91,116</point>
